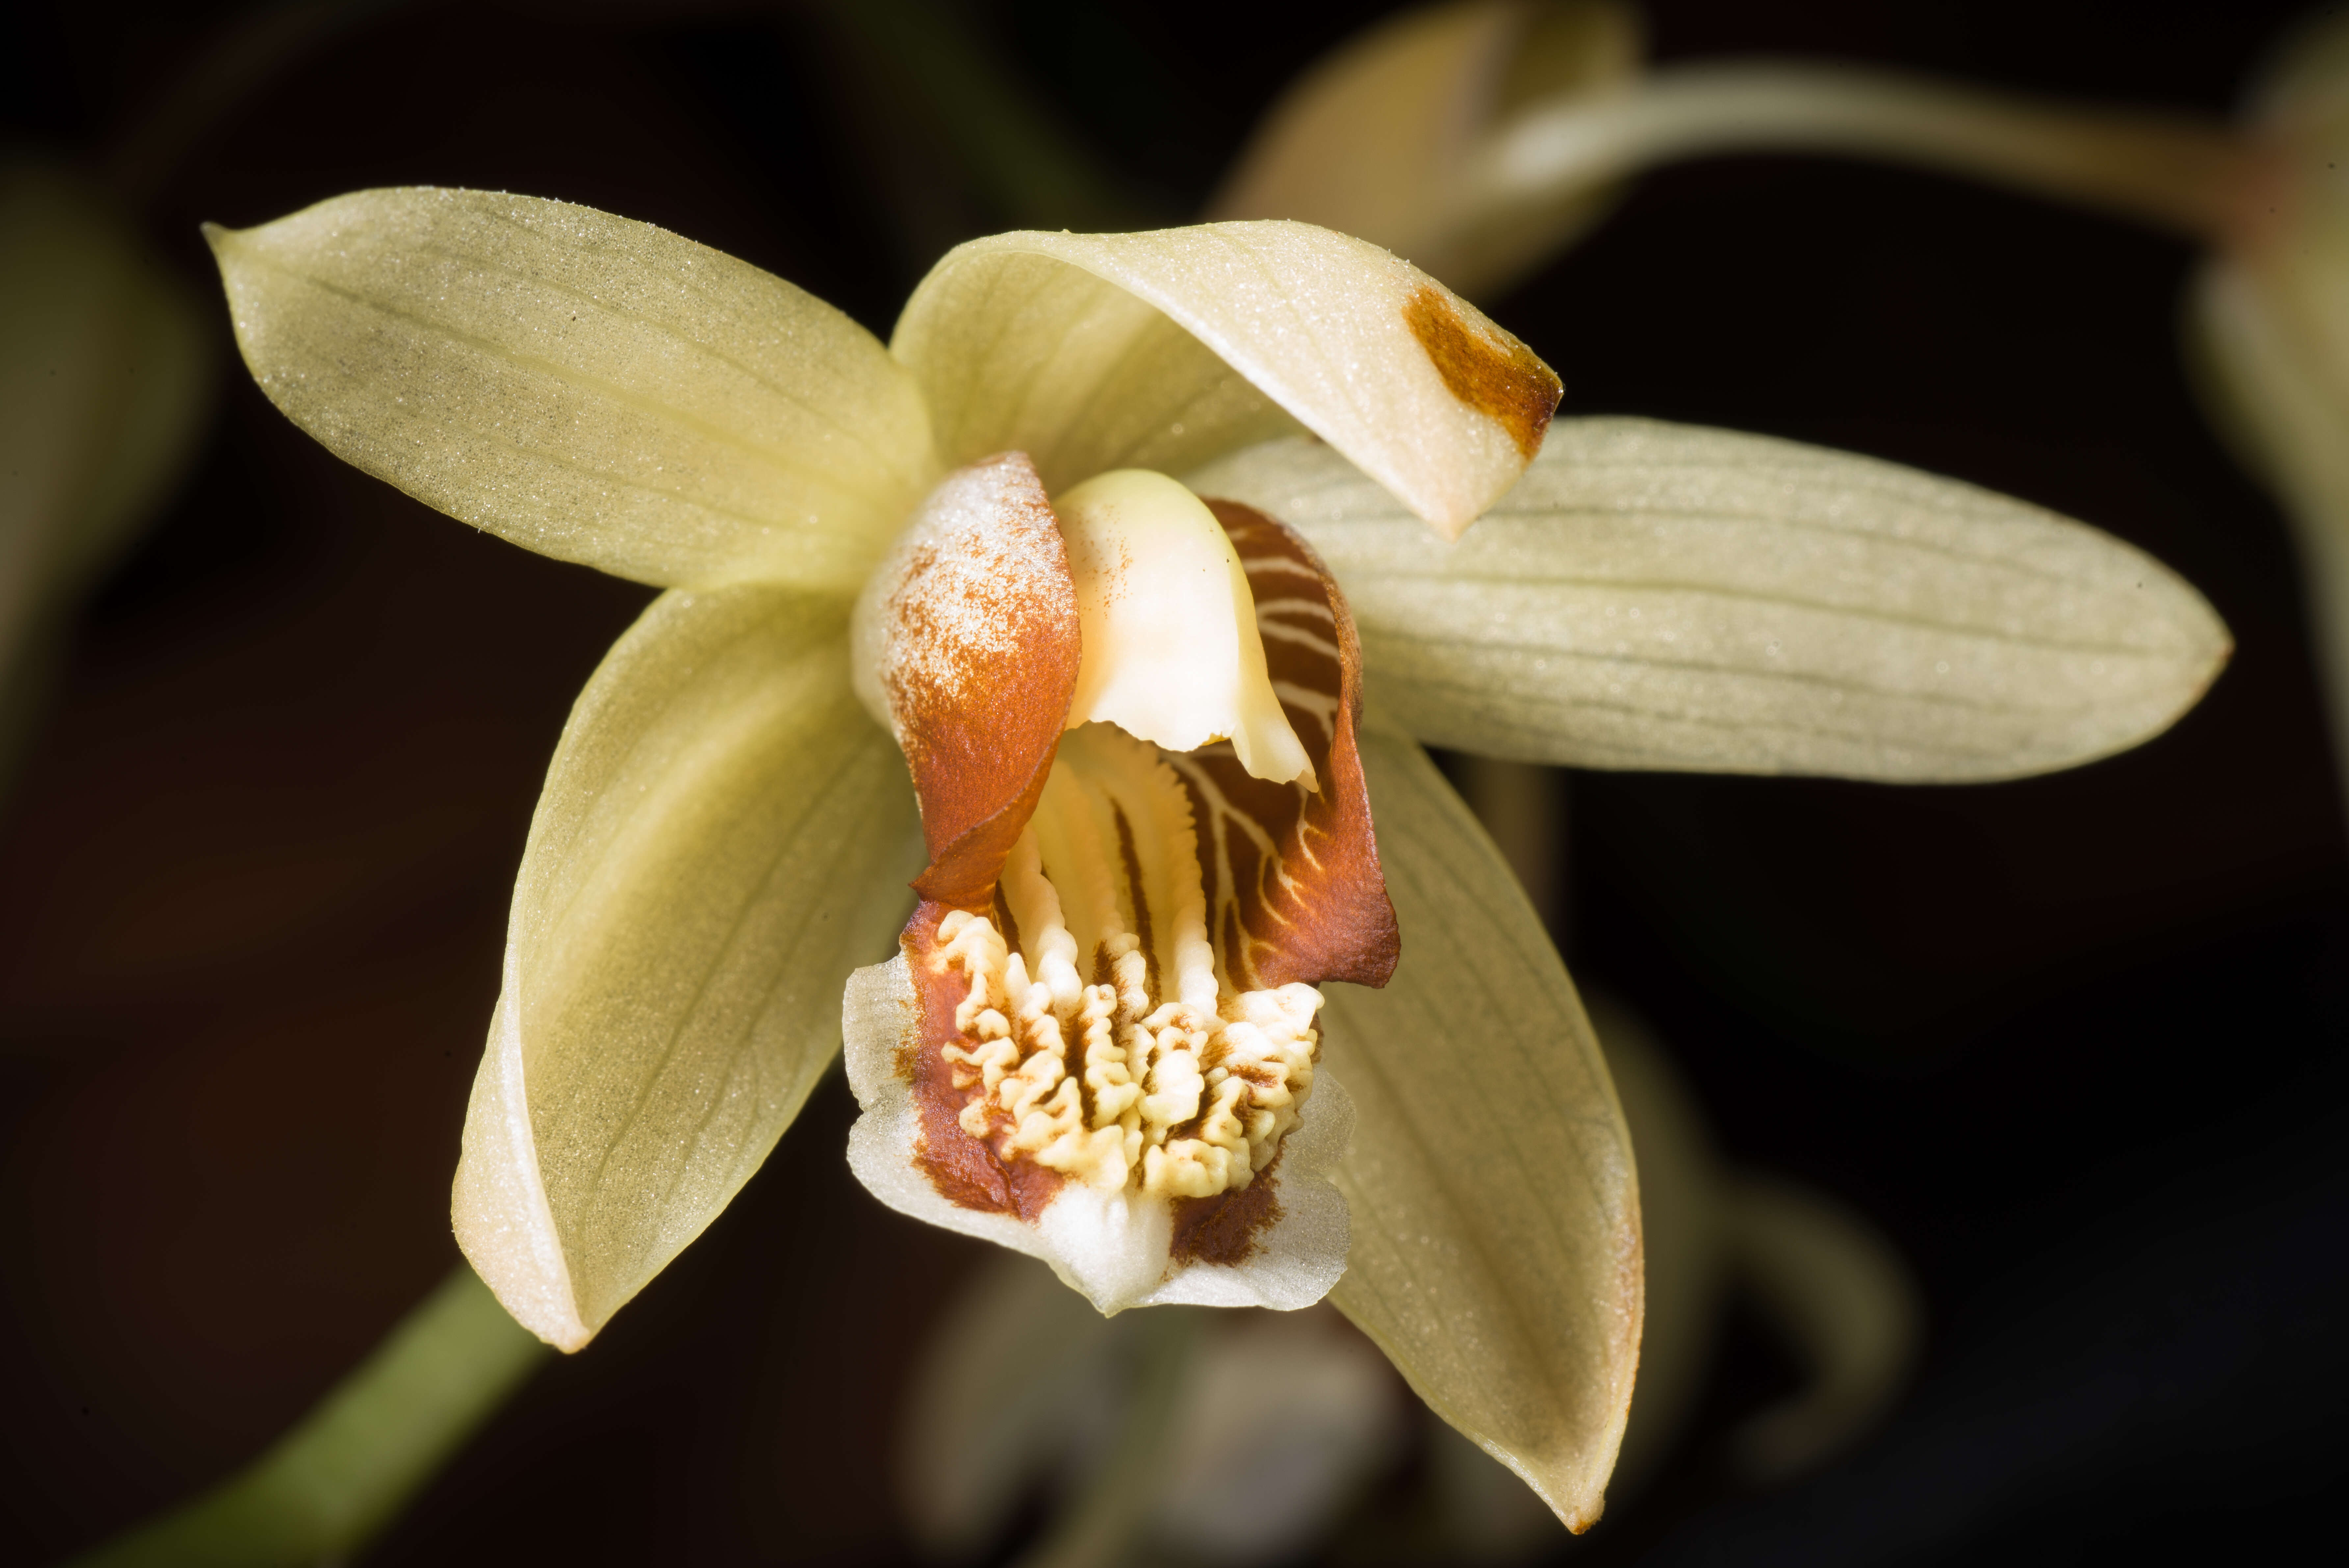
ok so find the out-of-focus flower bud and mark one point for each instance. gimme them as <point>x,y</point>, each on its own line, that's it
<point>104,369</point>
<point>1376,140</point>
<point>1240,1447</point>
<point>2270,324</point>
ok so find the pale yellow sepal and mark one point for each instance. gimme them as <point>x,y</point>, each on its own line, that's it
<point>1658,595</point>
<point>593,387</point>
<point>2277,363</point>
<point>2269,323</point>
<point>723,835</point>
<point>1163,349</point>
<point>1496,1255</point>
<point>1171,654</point>
<point>1379,139</point>
<point>1681,1203</point>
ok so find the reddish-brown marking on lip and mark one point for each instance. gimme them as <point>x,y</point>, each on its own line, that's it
<point>963,1168</point>
<point>982,657</point>
<point>1315,909</point>
<point>1225,1228</point>
<point>1485,367</point>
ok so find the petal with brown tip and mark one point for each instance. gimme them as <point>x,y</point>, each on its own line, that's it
<point>1164,350</point>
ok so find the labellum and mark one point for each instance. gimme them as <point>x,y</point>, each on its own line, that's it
<point>1130,716</point>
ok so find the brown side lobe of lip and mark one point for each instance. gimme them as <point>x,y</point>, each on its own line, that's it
<point>1316,908</point>
<point>1485,367</point>
<point>964,1169</point>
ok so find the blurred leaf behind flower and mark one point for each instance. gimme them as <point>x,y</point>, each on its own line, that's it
<point>105,367</point>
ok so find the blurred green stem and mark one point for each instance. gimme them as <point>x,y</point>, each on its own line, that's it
<point>1019,161</point>
<point>1098,1528</point>
<point>240,55</point>
<point>2173,171</point>
<point>357,1459</point>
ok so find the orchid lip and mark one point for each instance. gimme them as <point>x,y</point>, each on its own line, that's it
<point>1130,716</point>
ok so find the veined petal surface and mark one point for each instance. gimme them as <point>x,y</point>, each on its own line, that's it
<point>1496,1247</point>
<point>724,834</point>
<point>1162,350</point>
<point>1656,596</point>
<point>592,388</point>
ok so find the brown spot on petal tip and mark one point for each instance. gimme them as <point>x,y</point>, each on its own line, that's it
<point>1485,367</point>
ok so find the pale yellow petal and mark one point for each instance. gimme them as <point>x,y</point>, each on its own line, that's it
<point>1496,1251</point>
<point>1162,350</point>
<point>1658,595</point>
<point>1379,139</point>
<point>593,387</point>
<point>1681,1179</point>
<point>724,836</point>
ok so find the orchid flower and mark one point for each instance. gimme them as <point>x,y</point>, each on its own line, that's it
<point>1130,568</point>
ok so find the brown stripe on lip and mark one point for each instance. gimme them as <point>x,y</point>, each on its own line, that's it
<point>1485,367</point>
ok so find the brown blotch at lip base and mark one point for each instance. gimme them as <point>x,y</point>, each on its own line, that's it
<point>1224,1228</point>
<point>1502,380</point>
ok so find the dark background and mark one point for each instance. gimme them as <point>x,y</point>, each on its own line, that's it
<point>2073,1042</point>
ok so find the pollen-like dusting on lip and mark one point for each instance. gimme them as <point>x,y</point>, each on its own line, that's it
<point>978,653</point>
<point>1486,369</point>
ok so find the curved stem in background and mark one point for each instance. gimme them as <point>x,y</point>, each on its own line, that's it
<point>923,62</point>
<point>2177,172</point>
<point>1841,1298</point>
<point>357,1459</point>
<point>141,158</point>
